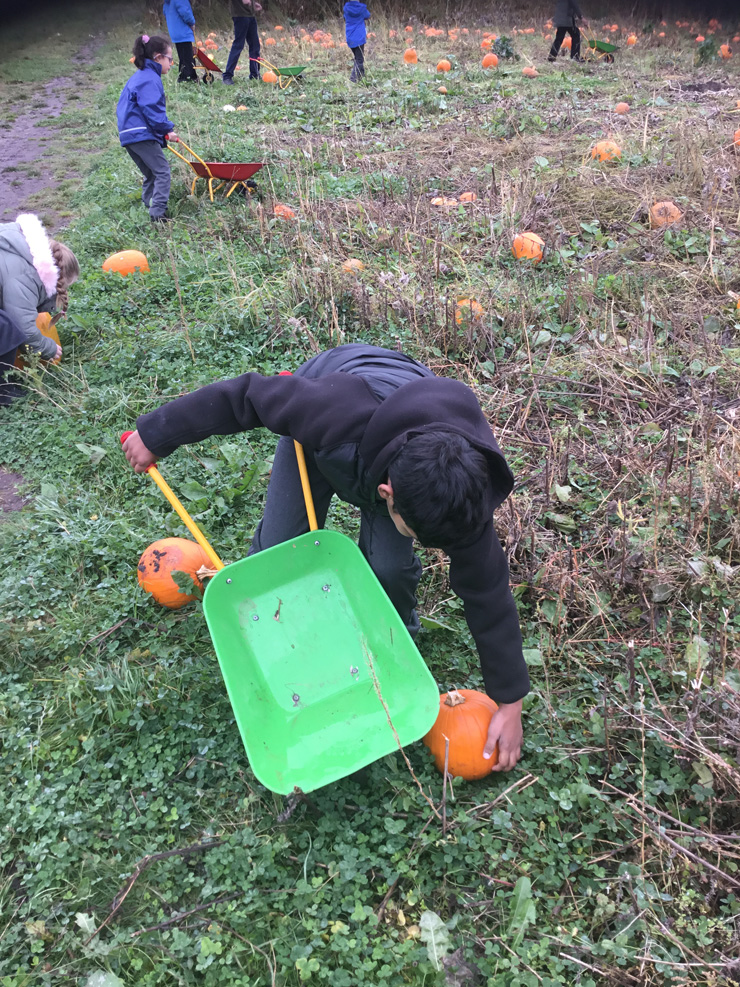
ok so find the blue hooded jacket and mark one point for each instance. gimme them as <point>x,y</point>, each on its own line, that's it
<point>180,20</point>
<point>355,15</point>
<point>141,111</point>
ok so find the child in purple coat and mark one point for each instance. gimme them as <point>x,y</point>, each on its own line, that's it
<point>355,15</point>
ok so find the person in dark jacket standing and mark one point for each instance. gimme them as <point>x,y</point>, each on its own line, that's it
<point>413,451</point>
<point>567,12</point>
<point>180,23</point>
<point>143,126</point>
<point>355,15</point>
<point>245,31</point>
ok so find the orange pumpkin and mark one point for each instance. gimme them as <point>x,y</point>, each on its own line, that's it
<point>567,43</point>
<point>443,65</point>
<point>468,197</point>
<point>664,214</point>
<point>47,327</point>
<point>632,40</point>
<point>353,266</point>
<point>443,90</point>
<point>528,246</point>
<point>606,151</point>
<point>486,43</point>
<point>530,72</point>
<point>725,51</point>
<point>464,717</point>
<point>279,27</point>
<point>164,557</point>
<point>736,138</point>
<point>622,108</point>
<point>444,201</point>
<point>700,38</point>
<point>468,310</point>
<point>282,211</point>
<point>490,61</point>
<point>270,41</point>
<point>410,56</point>
<point>409,29</point>
<point>269,76</point>
<point>126,261</point>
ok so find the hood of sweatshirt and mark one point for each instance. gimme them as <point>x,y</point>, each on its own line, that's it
<point>426,405</point>
<point>27,238</point>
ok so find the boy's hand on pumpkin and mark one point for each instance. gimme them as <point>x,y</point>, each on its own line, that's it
<point>58,354</point>
<point>505,729</point>
<point>137,453</point>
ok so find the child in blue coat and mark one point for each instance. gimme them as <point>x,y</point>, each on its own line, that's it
<point>143,126</point>
<point>355,15</point>
<point>180,23</point>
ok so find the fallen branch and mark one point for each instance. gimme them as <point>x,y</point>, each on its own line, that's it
<point>187,914</point>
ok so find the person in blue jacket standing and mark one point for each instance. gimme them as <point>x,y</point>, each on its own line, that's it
<point>143,126</point>
<point>180,23</point>
<point>355,15</point>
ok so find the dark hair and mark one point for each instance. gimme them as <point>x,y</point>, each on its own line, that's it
<point>156,45</point>
<point>439,485</point>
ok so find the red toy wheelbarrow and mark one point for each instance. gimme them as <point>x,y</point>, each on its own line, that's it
<point>221,172</point>
<point>209,66</point>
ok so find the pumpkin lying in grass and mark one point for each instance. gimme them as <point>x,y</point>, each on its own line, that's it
<point>528,246</point>
<point>632,40</point>
<point>468,197</point>
<point>353,266</point>
<point>444,65</point>
<point>490,61</point>
<point>164,557</point>
<point>410,56</point>
<point>664,214</point>
<point>269,77</point>
<point>283,211</point>
<point>463,718</point>
<point>126,262</point>
<point>530,72</point>
<point>468,310</point>
<point>622,108</point>
<point>606,151</point>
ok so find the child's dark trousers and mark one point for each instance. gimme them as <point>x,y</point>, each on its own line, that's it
<point>185,56</point>
<point>245,32</point>
<point>358,68</point>
<point>148,156</point>
<point>575,46</point>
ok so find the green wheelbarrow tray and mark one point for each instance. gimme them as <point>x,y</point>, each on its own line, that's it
<point>307,639</point>
<point>604,46</point>
<point>294,70</point>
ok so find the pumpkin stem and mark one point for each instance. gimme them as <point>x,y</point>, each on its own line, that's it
<point>206,572</point>
<point>454,698</point>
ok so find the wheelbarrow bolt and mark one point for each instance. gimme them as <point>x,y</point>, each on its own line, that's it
<point>326,587</point>
<point>296,698</point>
<point>228,580</point>
<point>255,617</point>
<point>353,670</point>
<point>317,543</point>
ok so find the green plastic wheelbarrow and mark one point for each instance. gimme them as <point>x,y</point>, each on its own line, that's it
<point>322,674</point>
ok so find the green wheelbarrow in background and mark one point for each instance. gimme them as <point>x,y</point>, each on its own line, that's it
<point>322,674</point>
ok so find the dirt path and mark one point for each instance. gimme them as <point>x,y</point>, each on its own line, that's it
<point>10,500</point>
<point>25,150</point>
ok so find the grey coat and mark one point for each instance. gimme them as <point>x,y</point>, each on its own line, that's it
<point>567,12</point>
<point>22,294</point>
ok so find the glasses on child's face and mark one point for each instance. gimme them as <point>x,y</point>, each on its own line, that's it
<point>169,57</point>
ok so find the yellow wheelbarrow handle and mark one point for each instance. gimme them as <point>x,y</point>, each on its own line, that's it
<point>180,510</point>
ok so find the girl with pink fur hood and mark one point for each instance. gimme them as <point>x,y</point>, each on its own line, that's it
<point>35,272</point>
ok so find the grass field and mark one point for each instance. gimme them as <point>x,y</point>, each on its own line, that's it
<point>137,847</point>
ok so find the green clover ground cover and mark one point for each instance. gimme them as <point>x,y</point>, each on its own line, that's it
<point>137,846</point>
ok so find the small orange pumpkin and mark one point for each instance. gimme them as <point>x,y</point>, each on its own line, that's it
<point>530,72</point>
<point>725,51</point>
<point>270,41</point>
<point>606,151</point>
<point>567,43</point>
<point>622,108</point>
<point>446,202</point>
<point>468,310</point>
<point>353,266</point>
<point>664,214</point>
<point>490,61</point>
<point>410,56</point>
<point>164,557</point>
<point>444,65</point>
<point>126,261</point>
<point>463,719</point>
<point>632,40</point>
<point>283,211</point>
<point>528,246</point>
<point>47,327</point>
<point>269,76</point>
<point>699,38</point>
<point>443,90</point>
<point>468,197</point>
<point>736,138</point>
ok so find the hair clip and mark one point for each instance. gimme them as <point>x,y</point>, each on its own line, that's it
<point>145,38</point>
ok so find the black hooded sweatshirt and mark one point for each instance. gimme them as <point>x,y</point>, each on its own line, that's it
<point>354,434</point>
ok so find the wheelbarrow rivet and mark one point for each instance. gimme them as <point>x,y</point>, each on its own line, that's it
<point>255,617</point>
<point>296,698</point>
<point>326,587</point>
<point>317,543</point>
<point>228,580</point>
<point>354,670</point>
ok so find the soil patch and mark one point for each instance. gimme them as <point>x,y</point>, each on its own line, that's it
<point>27,142</point>
<point>10,500</point>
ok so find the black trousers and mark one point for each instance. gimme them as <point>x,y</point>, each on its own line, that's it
<point>358,68</point>
<point>245,32</point>
<point>575,47</point>
<point>185,55</point>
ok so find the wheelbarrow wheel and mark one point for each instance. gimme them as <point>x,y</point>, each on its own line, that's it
<point>208,77</point>
<point>609,58</point>
<point>249,189</point>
